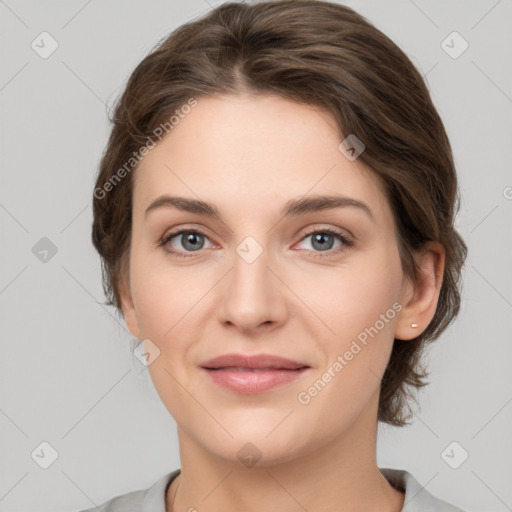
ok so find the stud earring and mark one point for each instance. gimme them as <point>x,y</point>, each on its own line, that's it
<point>414,326</point>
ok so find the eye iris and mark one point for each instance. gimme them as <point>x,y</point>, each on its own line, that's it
<point>320,237</point>
<point>191,238</point>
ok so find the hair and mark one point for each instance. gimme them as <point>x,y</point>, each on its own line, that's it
<point>316,53</point>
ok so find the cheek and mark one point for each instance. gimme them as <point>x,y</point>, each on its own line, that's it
<point>354,297</point>
<point>165,297</point>
<point>361,308</point>
<point>168,301</point>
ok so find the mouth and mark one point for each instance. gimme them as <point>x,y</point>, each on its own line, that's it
<point>252,374</point>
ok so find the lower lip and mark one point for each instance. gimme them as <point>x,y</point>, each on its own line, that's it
<point>251,382</point>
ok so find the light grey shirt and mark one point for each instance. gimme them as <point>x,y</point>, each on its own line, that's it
<point>417,499</point>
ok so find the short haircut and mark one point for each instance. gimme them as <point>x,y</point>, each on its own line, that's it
<point>316,53</point>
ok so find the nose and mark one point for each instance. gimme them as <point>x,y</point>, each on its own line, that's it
<point>253,296</point>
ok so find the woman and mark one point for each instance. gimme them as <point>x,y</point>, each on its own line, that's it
<point>275,216</point>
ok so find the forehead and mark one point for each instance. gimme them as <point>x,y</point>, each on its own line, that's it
<point>253,152</point>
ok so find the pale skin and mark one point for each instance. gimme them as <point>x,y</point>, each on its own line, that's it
<point>249,155</point>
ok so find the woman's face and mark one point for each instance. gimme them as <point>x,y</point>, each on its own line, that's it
<point>258,280</point>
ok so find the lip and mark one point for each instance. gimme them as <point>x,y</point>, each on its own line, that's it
<point>252,374</point>
<point>259,361</point>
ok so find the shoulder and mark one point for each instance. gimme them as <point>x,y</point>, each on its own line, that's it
<point>417,498</point>
<point>129,502</point>
<point>151,499</point>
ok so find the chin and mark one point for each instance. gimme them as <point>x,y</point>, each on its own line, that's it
<point>255,445</point>
<point>256,453</point>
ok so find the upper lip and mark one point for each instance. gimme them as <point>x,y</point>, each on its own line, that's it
<point>261,361</point>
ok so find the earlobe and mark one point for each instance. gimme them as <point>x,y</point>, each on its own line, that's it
<point>420,298</point>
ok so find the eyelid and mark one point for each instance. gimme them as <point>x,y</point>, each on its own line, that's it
<point>180,228</point>
<point>164,241</point>
<point>344,233</point>
<point>347,241</point>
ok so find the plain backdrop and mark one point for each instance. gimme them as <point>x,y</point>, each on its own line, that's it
<point>67,374</point>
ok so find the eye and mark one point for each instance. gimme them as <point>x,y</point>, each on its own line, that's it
<point>324,239</point>
<point>190,239</point>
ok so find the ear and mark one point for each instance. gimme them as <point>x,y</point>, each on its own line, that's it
<point>129,313</point>
<point>419,298</point>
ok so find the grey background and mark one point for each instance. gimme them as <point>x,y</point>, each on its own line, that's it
<point>67,373</point>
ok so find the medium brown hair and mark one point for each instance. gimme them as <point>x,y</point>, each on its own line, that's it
<point>312,52</point>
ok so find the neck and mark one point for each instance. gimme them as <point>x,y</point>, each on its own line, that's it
<point>341,474</point>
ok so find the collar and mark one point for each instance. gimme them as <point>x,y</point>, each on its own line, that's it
<point>417,498</point>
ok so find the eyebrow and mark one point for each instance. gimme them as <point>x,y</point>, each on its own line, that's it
<point>294,207</point>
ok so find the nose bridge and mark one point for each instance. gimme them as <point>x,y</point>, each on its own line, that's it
<point>250,250</point>
<point>250,296</point>
<point>249,276</point>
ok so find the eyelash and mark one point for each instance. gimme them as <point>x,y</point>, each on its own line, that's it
<point>347,242</point>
